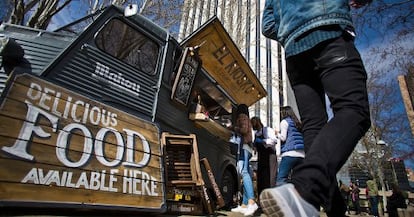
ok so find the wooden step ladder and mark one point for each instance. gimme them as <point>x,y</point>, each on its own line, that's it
<point>186,190</point>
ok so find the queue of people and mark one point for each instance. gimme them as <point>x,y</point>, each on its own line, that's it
<point>263,140</point>
<point>255,137</point>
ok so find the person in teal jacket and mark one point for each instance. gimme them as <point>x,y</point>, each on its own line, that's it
<point>321,59</point>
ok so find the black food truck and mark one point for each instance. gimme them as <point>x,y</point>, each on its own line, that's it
<point>95,115</point>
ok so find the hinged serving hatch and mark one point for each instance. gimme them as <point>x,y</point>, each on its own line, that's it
<point>222,60</point>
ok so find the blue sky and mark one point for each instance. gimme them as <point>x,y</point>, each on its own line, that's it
<point>381,41</point>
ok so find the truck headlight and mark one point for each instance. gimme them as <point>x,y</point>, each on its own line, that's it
<point>3,43</point>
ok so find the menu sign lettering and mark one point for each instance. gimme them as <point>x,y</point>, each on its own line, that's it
<point>71,149</point>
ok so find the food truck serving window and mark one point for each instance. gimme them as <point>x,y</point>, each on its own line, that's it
<point>127,44</point>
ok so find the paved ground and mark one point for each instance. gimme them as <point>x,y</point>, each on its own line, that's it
<point>409,212</point>
<point>217,214</point>
<point>232,214</point>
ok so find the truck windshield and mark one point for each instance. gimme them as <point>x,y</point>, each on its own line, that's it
<point>128,45</point>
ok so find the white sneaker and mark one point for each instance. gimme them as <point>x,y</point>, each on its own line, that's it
<point>239,209</point>
<point>285,201</point>
<point>251,209</point>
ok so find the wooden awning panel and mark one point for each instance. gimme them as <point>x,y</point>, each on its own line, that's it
<point>225,64</point>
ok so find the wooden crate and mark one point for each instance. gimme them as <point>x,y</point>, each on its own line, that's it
<point>174,207</point>
<point>185,200</point>
<point>182,164</point>
<point>183,173</point>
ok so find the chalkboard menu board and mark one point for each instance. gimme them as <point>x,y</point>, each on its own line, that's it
<point>184,81</point>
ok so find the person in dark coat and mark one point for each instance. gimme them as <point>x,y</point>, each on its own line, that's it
<point>265,144</point>
<point>355,198</point>
<point>395,201</point>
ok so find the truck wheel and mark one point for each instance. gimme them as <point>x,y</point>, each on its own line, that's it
<point>228,188</point>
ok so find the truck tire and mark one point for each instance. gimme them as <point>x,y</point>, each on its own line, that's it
<point>228,188</point>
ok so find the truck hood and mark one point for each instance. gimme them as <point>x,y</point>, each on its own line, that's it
<point>222,60</point>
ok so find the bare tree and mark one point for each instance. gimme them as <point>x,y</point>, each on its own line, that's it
<point>389,122</point>
<point>39,13</point>
<point>165,13</point>
<point>5,9</point>
<point>381,17</point>
<point>392,23</point>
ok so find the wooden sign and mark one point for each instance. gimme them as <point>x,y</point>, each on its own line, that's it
<point>186,74</point>
<point>63,149</point>
<point>223,61</point>
<point>217,192</point>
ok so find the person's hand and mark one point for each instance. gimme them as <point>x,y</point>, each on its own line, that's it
<point>359,3</point>
<point>258,140</point>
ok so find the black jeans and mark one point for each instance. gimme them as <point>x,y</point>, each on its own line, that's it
<point>334,68</point>
<point>266,168</point>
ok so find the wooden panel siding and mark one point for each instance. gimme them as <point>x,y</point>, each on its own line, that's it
<point>72,150</point>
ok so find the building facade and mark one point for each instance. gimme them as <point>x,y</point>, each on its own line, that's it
<point>242,20</point>
<point>394,171</point>
<point>406,83</point>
